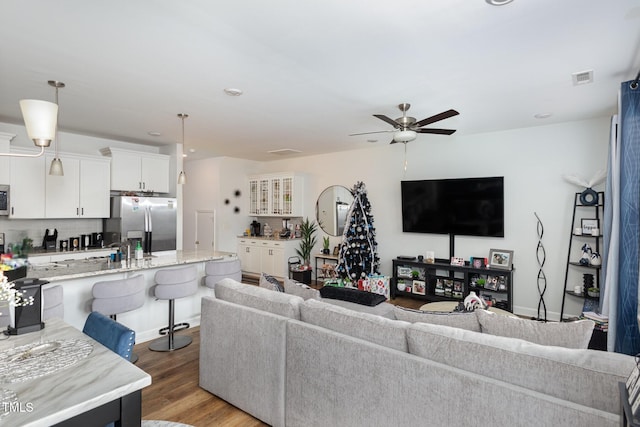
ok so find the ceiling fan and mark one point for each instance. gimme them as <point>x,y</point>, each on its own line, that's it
<point>406,128</point>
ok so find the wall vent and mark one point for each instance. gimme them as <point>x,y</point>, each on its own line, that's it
<point>582,77</point>
<point>284,151</point>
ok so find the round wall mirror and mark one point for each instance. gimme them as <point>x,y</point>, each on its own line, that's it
<point>332,208</point>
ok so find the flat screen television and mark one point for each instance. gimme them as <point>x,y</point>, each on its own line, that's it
<point>466,206</point>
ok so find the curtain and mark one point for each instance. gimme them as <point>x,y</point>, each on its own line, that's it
<point>622,226</point>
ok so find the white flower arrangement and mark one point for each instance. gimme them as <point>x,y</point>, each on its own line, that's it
<point>15,297</point>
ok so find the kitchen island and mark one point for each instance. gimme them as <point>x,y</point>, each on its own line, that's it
<point>77,277</point>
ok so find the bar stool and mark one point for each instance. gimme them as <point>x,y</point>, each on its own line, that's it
<point>52,302</point>
<point>112,297</point>
<point>218,270</point>
<point>172,283</point>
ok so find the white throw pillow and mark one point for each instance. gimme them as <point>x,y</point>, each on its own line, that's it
<point>302,290</point>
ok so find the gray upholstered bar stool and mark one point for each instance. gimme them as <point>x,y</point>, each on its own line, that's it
<point>173,283</point>
<point>112,297</point>
<point>52,303</point>
<point>218,270</point>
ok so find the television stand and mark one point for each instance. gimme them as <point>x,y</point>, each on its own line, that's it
<point>441,281</point>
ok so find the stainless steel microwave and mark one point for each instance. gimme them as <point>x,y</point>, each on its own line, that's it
<point>4,200</point>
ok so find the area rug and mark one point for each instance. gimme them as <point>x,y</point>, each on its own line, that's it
<point>158,423</point>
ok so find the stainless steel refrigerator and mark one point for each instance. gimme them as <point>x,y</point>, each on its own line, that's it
<point>150,220</point>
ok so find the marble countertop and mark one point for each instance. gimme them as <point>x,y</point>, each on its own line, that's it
<point>92,381</point>
<point>97,266</point>
<point>275,238</point>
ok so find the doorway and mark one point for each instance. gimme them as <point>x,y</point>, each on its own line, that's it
<point>205,230</point>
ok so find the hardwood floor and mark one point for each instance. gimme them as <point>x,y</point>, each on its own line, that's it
<point>175,395</point>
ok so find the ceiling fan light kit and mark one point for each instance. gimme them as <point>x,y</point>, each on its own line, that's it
<point>404,136</point>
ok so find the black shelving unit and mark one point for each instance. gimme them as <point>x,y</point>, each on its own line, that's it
<point>456,282</point>
<point>574,270</point>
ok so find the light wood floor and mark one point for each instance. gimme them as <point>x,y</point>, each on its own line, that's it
<point>174,394</point>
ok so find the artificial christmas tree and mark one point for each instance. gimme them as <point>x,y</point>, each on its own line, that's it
<point>358,256</point>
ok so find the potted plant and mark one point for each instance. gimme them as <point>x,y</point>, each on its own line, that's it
<point>325,245</point>
<point>308,240</point>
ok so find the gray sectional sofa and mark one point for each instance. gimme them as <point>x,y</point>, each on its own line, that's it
<point>294,362</point>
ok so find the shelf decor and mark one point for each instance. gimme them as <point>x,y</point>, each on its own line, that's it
<point>501,259</point>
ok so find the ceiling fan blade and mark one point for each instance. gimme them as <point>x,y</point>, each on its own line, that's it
<point>436,131</point>
<point>436,118</point>
<point>368,133</point>
<point>388,120</point>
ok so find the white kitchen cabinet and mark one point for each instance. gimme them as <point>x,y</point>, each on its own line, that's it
<point>83,191</point>
<point>249,254</point>
<point>27,197</point>
<point>138,171</point>
<point>272,258</point>
<point>266,256</point>
<point>280,195</point>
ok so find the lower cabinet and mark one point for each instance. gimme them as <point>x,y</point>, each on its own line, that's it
<point>266,256</point>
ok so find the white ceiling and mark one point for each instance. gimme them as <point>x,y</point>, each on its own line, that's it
<point>312,72</point>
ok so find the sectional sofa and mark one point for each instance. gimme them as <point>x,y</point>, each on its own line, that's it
<point>294,362</point>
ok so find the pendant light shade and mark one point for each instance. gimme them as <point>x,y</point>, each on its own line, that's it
<point>182,178</point>
<point>56,164</point>
<point>40,119</point>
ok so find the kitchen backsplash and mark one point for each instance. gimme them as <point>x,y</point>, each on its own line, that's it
<point>16,230</point>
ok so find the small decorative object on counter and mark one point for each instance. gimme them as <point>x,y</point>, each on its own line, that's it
<point>138,252</point>
<point>267,231</point>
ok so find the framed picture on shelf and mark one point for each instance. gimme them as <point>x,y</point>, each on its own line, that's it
<point>492,283</point>
<point>501,258</point>
<point>336,250</point>
<point>588,225</point>
<point>477,262</point>
<point>502,284</point>
<point>419,287</point>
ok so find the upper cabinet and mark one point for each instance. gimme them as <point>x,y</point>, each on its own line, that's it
<point>138,171</point>
<point>83,191</point>
<point>279,194</point>
<point>27,197</point>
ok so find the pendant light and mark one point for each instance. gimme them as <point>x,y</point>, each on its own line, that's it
<point>182,178</point>
<point>40,120</point>
<point>56,164</point>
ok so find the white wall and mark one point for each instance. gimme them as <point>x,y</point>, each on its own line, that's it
<point>532,160</point>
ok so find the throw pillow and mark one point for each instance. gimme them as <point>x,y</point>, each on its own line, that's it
<point>305,292</point>
<point>269,282</point>
<point>562,334</point>
<point>352,295</point>
<point>462,320</point>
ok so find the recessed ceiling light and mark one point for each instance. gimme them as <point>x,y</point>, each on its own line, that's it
<point>543,115</point>
<point>231,91</point>
<point>372,140</point>
<point>192,150</point>
<point>154,133</point>
<point>498,2</point>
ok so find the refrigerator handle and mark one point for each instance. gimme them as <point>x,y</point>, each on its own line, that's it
<point>149,216</point>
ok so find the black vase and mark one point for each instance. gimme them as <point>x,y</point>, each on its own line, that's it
<point>325,251</point>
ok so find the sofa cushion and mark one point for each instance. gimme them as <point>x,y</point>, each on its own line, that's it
<point>586,377</point>
<point>385,309</point>
<point>369,327</point>
<point>305,292</point>
<point>269,282</point>
<point>352,295</point>
<point>464,320</point>
<point>563,334</point>
<point>259,298</point>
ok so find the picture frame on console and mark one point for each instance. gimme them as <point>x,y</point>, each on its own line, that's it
<point>477,262</point>
<point>501,259</point>
<point>419,287</point>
